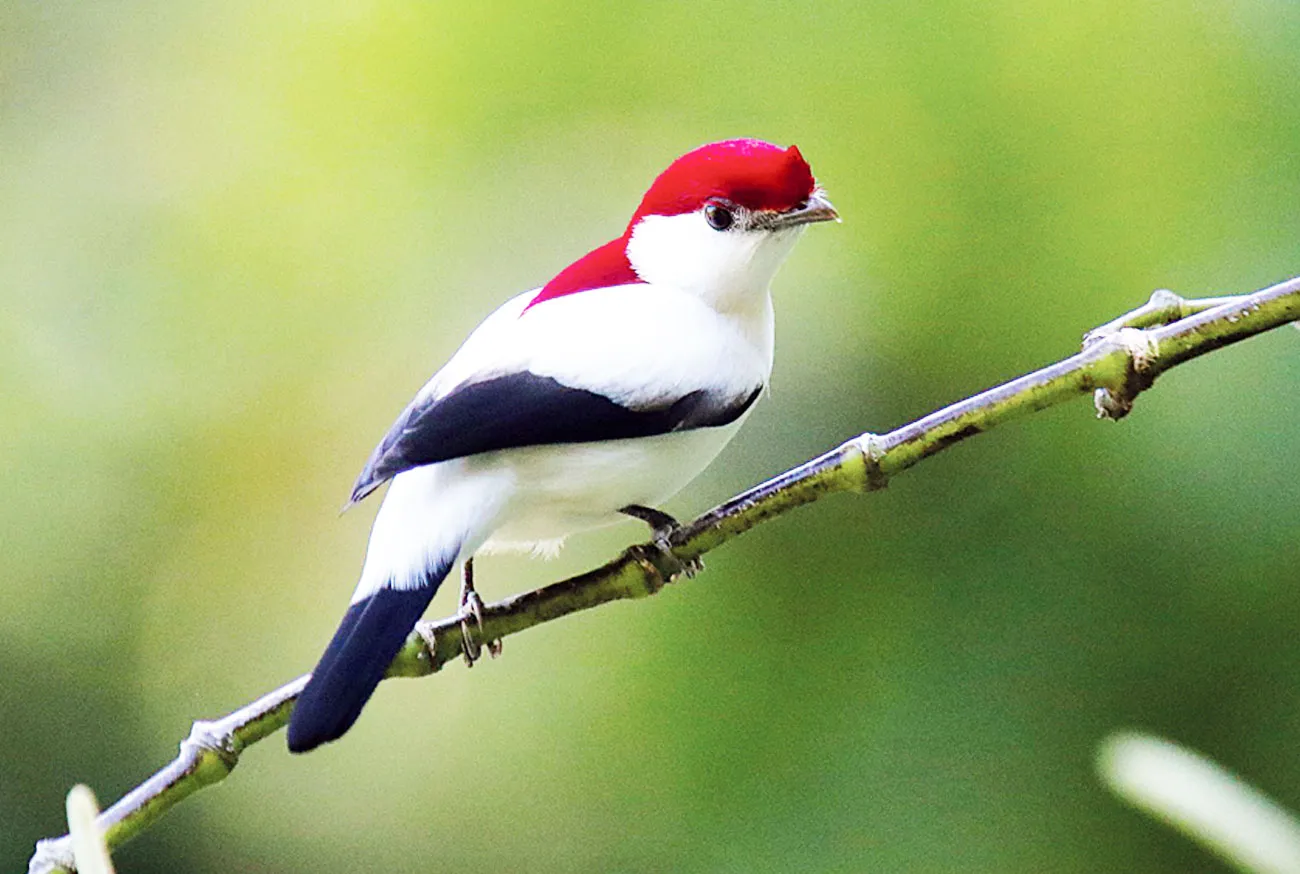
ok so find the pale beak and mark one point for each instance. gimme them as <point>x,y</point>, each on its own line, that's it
<point>817,209</point>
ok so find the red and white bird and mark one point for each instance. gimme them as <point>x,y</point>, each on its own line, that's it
<point>591,399</point>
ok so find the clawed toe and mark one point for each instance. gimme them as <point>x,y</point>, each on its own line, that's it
<point>471,620</point>
<point>662,528</point>
<point>661,524</point>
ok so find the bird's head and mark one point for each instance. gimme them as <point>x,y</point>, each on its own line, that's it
<point>721,219</point>
<point>717,223</point>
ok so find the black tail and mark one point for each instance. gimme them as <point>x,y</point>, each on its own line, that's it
<point>372,632</point>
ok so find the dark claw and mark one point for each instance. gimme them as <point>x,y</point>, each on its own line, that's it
<point>661,524</point>
<point>662,528</point>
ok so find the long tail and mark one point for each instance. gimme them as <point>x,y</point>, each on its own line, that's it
<point>372,631</point>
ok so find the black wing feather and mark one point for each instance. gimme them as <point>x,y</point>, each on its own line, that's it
<point>524,409</point>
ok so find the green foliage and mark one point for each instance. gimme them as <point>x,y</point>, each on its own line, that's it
<point>234,239</point>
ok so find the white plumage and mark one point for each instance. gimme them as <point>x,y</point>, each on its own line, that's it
<point>614,386</point>
<point>635,344</point>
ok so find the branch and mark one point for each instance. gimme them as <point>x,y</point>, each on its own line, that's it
<point>1119,361</point>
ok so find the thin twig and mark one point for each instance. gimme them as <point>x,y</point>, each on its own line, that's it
<point>88,847</point>
<point>1120,360</point>
<point>1203,800</point>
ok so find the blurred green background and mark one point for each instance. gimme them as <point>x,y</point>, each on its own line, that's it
<point>235,239</point>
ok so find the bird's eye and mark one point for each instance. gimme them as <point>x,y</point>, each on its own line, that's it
<point>719,217</point>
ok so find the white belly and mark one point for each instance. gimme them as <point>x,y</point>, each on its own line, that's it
<point>560,490</point>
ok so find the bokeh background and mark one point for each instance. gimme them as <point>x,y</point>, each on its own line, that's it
<point>235,238</point>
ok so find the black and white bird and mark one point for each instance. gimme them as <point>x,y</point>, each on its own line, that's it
<point>575,405</point>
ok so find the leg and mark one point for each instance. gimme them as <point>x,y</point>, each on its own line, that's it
<point>471,606</point>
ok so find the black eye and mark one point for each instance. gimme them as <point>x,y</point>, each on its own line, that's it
<point>718,217</point>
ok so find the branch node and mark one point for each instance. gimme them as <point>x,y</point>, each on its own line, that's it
<point>52,856</point>
<point>1115,402</point>
<point>872,449</point>
<point>1110,406</point>
<point>1163,298</point>
<point>208,737</point>
<point>1141,348</point>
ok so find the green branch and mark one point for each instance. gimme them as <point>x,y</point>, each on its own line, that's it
<point>1119,361</point>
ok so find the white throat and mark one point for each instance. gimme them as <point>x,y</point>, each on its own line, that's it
<point>731,271</point>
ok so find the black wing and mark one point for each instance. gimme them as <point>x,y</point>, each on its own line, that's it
<point>524,409</point>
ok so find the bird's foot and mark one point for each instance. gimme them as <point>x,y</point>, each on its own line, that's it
<point>662,528</point>
<point>471,611</point>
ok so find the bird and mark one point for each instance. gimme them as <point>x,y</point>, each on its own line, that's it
<point>589,400</point>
